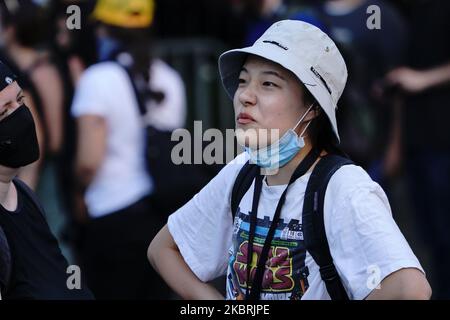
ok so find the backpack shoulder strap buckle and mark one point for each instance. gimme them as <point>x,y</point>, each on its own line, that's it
<point>328,272</point>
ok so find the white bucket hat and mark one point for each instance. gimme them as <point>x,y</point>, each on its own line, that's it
<point>302,49</point>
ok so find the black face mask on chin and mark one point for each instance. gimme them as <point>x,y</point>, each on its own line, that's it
<point>18,142</point>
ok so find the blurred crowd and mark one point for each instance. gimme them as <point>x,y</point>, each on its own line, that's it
<point>102,202</point>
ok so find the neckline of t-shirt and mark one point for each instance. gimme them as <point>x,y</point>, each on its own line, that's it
<point>278,189</point>
<point>19,202</point>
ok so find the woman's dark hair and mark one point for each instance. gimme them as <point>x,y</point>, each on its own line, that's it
<point>28,19</point>
<point>136,42</point>
<point>320,130</point>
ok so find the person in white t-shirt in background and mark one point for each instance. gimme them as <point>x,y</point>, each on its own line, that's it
<point>290,79</point>
<point>110,162</point>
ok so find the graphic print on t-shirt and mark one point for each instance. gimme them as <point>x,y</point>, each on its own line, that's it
<point>285,276</point>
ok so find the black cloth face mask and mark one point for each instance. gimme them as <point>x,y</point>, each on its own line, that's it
<point>18,141</point>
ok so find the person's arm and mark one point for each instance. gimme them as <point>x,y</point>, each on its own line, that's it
<point>92,132</point>
<point>193,248</point>
<point>5,262</point>
<point>167,260</point>
<point>416,81</point>
<point>404,284</point>
<point>392,161</point>
<point>49,85</point>
<point>367,246</point>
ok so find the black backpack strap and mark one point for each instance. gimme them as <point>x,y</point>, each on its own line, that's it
<point>139,100</point>
<point>242,183</point>
<point>316,242</point>
<point>30,194</point>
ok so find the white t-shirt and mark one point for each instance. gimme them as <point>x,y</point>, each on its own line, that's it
<point>105,90</point>
<point>365,242</point>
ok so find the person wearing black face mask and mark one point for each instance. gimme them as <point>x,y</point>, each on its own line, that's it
<point>31,263</point>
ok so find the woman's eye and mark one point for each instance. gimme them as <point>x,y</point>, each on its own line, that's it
<point>241,80</point>
<point>269,84</point>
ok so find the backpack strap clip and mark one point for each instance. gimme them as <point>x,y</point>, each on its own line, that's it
<point>328,273</point>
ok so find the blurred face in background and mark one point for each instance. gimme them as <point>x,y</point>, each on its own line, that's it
<point>23,22</point>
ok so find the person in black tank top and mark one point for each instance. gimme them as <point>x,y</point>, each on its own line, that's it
<point>31,263</point>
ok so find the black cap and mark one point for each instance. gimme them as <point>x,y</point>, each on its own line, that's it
<point>6,76</point>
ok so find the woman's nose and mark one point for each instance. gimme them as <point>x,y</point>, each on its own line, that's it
<point>246,95</point>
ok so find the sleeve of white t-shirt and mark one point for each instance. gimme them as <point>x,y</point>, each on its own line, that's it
<point>365,242</point>
<point>91,96</point>
<point>202,228</point>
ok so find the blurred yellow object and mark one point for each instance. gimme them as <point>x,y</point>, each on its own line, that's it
<point>125,13</point>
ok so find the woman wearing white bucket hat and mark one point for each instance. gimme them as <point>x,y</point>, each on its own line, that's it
<point>290,81</point>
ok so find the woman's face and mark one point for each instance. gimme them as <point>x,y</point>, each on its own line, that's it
<point>268,97</point>
<point>11,97</point>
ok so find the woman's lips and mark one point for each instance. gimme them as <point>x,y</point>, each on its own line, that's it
<point>244,118</point>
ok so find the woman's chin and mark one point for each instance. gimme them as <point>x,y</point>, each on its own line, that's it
<point>247,137</point>
<point>251,139</point>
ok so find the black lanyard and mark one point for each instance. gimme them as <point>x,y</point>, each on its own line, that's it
<point>256,282</point>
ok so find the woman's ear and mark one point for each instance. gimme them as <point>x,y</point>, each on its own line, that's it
<point>314,112</point>
<point>317,109</point>
<point>314,107</point>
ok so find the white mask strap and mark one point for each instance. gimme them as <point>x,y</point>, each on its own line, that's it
<point>303,117</point>
<point>301,134</point>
